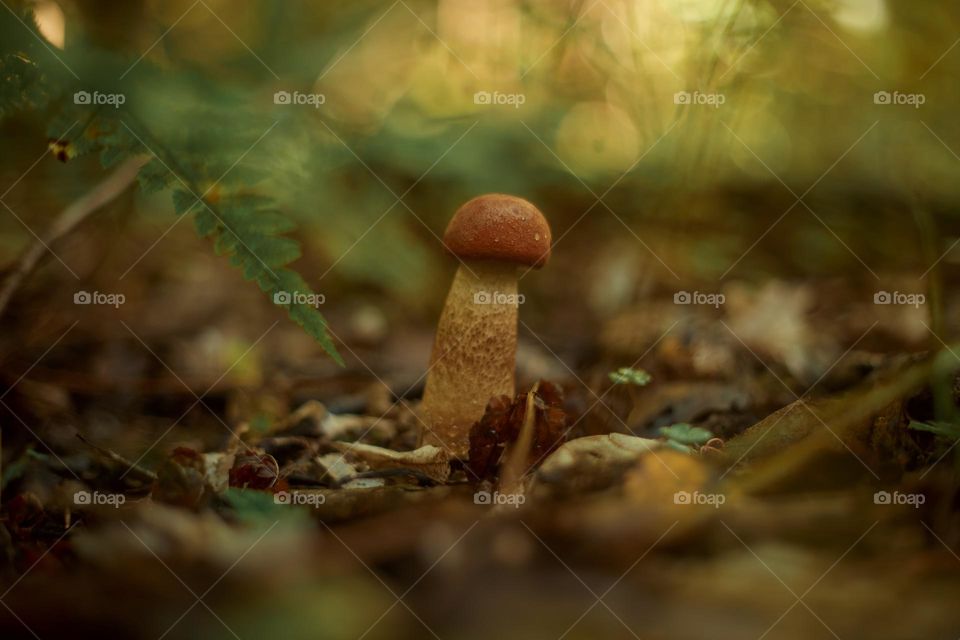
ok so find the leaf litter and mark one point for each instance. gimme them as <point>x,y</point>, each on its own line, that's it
<point>680,464</point>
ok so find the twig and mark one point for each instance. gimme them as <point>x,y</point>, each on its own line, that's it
<point>120,460</point>
<point>518,453</point>
<point>929,241</point>
<point>78,211</point>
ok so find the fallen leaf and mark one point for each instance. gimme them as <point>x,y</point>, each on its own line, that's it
<point>775,321</point>
<point>430,461</point>
<point>629,375</point>
<point>313,418</point>
<point>667,479</point>
<point>502,424</point>
<point>785,443</point>
<point>254,471</point>
<point>686,434</point>
<point>593,462</point>
<point>181,479</point>
<point>517,454</point>
<point>335,468</point>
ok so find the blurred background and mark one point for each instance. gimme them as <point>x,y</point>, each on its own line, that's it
<point>797,157</point>
<point>669,143</point>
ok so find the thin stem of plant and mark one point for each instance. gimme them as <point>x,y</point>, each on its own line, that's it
<point>68,220</point>
<point>929,250</point>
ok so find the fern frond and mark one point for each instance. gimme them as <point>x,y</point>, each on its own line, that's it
<point>191,149</point>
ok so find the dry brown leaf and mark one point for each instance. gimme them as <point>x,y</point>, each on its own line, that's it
<point>335,468</point>
<point>537,417</point>
<point>785,443</point>
<point>519,451</point>
<point>593,462</point>
<point>312,418</point>
<point>430,461</point>
<point>657,479</point>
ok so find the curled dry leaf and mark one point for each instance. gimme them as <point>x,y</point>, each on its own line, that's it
<point>181,478</point>
<point>593,462</point>
<point>217,467</point>
<point>784,447</point>
<point>430,461</point>
<point>188,477</point>
<point>334,468</point>
<point>349,427</point>
<point>24,514</point>
<point>253,470</point>
<point>305,420</point>
<point>503,421</point>
<point>515,460</point>
<point>313,419</point>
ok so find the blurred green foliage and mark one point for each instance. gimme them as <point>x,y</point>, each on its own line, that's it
<point>398,112</point>
<point>629,375</point>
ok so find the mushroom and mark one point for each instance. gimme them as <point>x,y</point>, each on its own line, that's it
<point>474,353</point>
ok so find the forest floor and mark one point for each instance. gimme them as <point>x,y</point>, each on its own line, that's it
<point>190,465</point>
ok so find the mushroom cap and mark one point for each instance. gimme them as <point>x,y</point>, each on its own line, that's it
<point>499,227</point>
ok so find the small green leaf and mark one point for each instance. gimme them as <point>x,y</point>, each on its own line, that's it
<point>272,251</point>
<point>154,177</point>
<point>944,429</point>
<point>15,469</point>
<point>683,433</point>
<point>184,201</point>
<point>676,446</point>
<point>629,375</point>
<point>261,423</point>
<point>112,156</point>
<point>258,507</point>
<point>314,324</point>
<point>205,223</point>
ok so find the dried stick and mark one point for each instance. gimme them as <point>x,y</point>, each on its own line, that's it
<point>78,211</point>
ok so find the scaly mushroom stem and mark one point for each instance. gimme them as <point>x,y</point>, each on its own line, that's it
<point>474,353</point>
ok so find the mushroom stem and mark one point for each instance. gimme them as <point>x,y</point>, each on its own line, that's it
<point>474,353</point>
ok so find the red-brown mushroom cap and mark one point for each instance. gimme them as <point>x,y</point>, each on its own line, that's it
<point>499,227</point>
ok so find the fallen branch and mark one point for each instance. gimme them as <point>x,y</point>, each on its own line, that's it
<point>78,211</point>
